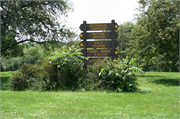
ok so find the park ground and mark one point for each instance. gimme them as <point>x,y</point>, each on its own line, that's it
<point>158,96</point>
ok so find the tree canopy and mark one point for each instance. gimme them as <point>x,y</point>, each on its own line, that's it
<point>157,33</point>
<point>34,21</point>
<point>125,36</point>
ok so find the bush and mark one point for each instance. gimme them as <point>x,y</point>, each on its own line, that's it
<point>21,79</point>
<point>91,79</point>
<point>112,75</point>
<point>59,72</point>
<point>36,77</point>
<point>44,77</point>
<point>17,81</point>
<point>120,75</point>
<point>65,71</point>
<point>70,67</point>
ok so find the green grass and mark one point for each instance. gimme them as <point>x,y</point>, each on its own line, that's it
<point>157,97</point>
<point>4,79</point>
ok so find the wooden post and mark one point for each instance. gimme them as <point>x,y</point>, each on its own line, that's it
<point>113,38</point>
<point>84,42</point>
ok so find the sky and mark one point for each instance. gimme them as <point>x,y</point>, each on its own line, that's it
<point>101,11</point>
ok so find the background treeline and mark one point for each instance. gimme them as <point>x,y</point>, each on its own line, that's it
<point>32,53</point>
<point>152,38</point>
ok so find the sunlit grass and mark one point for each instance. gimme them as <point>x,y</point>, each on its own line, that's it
<point>157,97</point>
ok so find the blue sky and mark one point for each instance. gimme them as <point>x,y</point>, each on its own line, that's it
<point>101,11</point>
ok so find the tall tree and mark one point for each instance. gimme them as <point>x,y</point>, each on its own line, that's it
<point>157,33</point>
<point>125,36</point>
<point>34,21</point>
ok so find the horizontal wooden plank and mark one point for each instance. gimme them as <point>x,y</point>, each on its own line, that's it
<point>99,35</point>
<point>91,60</point>
<point>100,52</point>
<point>99,44</point>
<point>99,26</point>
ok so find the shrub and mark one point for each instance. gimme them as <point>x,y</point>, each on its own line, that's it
<point>59,72</point>
<point>65,71</point>
<point>91,79</point>
<point>21,79</point>
<point>36,77</point>
<point>17,81</point>
<point>70,67</point>
<point>112,75</point>
<point>44,77</point>
<point>120,75</point>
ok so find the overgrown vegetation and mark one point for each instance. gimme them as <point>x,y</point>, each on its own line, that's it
<point>65,71</point>
<point>57,72</point>
<point>69,66</point>
<point>120,75</point>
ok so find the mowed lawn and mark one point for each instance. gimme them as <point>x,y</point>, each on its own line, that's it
<point>157,97</point>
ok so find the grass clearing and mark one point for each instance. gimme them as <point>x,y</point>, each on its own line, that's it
<point>4,79</point>
<point>157,97</point>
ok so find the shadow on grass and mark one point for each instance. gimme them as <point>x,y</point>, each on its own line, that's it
<point>4,80</point>
<point>141,91</point>
<point>149,76</point>
<point>166,82</point>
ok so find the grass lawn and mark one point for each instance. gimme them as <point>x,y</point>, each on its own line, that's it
<point>157,97</point>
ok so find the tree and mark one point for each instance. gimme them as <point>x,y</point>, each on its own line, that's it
<point>33,21</point>
<point>157,33</point>
<point>125,36</point>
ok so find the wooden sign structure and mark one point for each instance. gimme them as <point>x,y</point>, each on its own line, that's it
<point>99,52</point>
<point>99,44</point>
<point>101,26</point>
<point>99,35</point>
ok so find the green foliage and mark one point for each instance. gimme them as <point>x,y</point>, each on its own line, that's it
<point>35,77</point>
<point>120,75</point>
<point>17,81</point>
<point>44,77</point>
<point>61,71</point>
<point>16,51</point>
<point>11,64</point>
<point>75,43</point>
<point>33,54</point>
<point>125,36</point>
<point>34,21</point>
<point>91,79</point>
<point>49,48</point>
<point>65,71</point>
<point>70,67</point>
<point>157,34</point>
<point>116,75</point>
